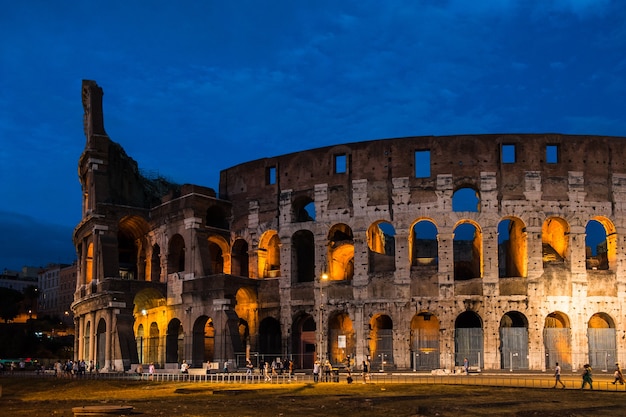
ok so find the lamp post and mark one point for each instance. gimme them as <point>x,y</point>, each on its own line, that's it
<point>323,278</point>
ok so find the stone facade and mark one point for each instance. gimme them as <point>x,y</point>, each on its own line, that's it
<point>414,252</point>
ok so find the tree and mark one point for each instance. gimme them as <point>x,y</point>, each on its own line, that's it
<point>9,303</point>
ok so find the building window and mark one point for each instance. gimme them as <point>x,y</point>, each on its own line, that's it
<point>270,175</point>
<point>340,164</point>
<point>422,164</point>
<point>508,154</point>
<point>552,154</point>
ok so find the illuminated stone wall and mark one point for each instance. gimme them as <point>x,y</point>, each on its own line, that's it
<point>415,252</point>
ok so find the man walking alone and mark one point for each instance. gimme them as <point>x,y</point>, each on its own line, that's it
<point>557,376</point>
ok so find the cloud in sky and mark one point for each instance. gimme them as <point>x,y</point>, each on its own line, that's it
<point>195,87</point>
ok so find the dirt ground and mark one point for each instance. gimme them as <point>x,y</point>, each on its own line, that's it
<point>33,397</point>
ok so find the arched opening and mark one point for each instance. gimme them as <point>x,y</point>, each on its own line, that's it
<point>514,341</point>
<point>555,241</point>
<point>512,248</point>
<point>466,200</point>
<point>155,264</point>
<point>203,343</point>
<point>423,244</point>
<point>174,342</point>
<point>425,341</point>
<point>467,249</point>
<point>556,341</point>
<point>101,337</point>
<point>601,341</point>
<point>87,345</point>
<point>381,246</point>
<point>140,343</point>
<point>240,258</point>
<point>600,244</point>
<point>89,264</point>
<point>176,255</point>
<point>303,209</point>
<point>341,252</point>
<point>217,248</point>
<point>303,341</point>
<point>153,344</point>
<point>380,341</point>
<point>341,338</point>
<point>303,252</point>
<point>131,247</point>
<point>270,337</point>
<point>468,339</point>
<point>269,255</point>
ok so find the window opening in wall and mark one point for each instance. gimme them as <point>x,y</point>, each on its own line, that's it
<point>512,248</point>
<point>340,164</point>
<point>422,164</point>
<point>382,247</point>
<point>425,245</point>
<point>465,199</point>
<point>467,252</point>
<point>508,154</point>
<point>552,154</point>
<point>270,175</point>
<point>596,246</point>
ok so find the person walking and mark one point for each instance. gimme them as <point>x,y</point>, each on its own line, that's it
<point>587,378</point>
<point>619,377</point>
<point>316,371</point>
<point>557,376</point>
<point>466,366</point>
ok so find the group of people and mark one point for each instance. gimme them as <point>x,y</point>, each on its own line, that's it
<point>72,368</point>
<point>325,372</point>
<point>587,376</point>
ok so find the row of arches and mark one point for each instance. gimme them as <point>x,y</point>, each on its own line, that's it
<point>167,344</point>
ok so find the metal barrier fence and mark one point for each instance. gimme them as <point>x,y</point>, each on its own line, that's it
<point>603,382</point>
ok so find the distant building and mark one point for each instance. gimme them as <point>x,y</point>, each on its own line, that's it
<point>19,280</point>
<point>56,291</point>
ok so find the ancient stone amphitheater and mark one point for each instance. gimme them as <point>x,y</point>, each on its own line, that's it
<point>412,253</point>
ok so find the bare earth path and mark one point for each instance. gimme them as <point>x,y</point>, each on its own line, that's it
<point>38,397</point>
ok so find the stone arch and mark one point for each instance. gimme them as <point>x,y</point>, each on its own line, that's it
<point>269,255</point>
<point>176,254</point>
<point>341,338</point>
<point>174,342</point>
<point>381,246</point>
<point>468,251</point>
<point>203,341</point>
<point>341,253</point>
<point>555,240</point>
<point>601,244</point>
<point>468,339</point>
<point>512,248</point>
<point>557,340</point>
<point>425,341</point>
<point>132,247</point>
<point>303,341</point>
<point>303,253</point>
<point>601,339</point>
<point>423,244</point>
<point>270,337</point>
<point>466,199</point>
<point>380,340</point>
<point>239,259</point>
<point>218,247</point>
<point>246,307</point>
<point>514,341</point>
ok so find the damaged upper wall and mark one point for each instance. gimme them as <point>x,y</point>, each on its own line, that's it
<point>460,160</point>
<point>107,174</point>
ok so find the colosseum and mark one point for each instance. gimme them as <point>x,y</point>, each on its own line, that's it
<point>413,253</point>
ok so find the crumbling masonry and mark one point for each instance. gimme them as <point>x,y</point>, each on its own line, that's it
<point>416,252</point>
